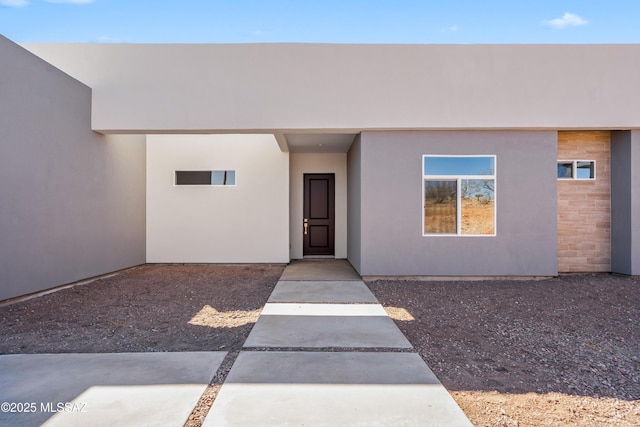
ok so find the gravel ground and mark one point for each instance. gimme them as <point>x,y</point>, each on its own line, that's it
<point>559,352</point>
<point>146,308</point>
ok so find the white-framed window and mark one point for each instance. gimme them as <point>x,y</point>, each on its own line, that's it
<point>577,169</point>
<point>216,178</point>
<point>459,195</point>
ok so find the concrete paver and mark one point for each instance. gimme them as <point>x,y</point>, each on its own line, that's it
<point>333,389</point>
<point>294,309</point>
<point>319,269</point>
<point>126,389</point>
<point>326,331</point>
<point>316,291</point>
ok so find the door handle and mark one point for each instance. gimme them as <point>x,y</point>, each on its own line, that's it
<point>306,226</point>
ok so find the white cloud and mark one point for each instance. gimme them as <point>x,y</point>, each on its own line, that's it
<point>451,29</point>
<point>567,20</point>
<point>13,3</point>
<point>70,1</point>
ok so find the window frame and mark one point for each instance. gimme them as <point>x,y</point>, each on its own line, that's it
<point>211,171</point>
<point>458,179</point>
<point>574,170</point>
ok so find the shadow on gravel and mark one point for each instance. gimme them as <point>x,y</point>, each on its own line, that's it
<point>147,308</point>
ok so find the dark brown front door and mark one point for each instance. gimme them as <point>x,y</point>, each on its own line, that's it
<point>319,214</point>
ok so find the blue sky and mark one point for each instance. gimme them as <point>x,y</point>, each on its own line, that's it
<point>321,21</point>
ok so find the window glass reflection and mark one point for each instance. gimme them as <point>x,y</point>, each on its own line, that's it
<point>440,207</point>
<point>223,177</point>
<point>565,169</point>
<point>478,206</point>
<point>585,170</point>
<point>459,166</point>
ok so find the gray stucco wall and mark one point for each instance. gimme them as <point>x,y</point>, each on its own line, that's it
<point>254,87</point>
<point>621,237</point>
<point>635,202</point>
<point>625,202</point>
<point>526,194</point>
<point>354,190</point>
<point>72,201</point>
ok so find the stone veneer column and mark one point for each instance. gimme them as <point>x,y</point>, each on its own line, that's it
<point>584,206</point>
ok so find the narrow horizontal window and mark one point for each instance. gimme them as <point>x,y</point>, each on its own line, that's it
<point>459,195</point>
<point>215,178</point>
<point>577,169</point>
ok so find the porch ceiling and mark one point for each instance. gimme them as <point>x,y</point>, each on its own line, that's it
<point>319,142</point>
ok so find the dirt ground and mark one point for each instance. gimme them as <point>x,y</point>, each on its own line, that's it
<point>559,352</point>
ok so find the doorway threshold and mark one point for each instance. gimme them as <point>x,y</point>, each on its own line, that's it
<point>319,257</point>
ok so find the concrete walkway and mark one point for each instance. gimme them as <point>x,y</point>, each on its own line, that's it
<point>322,353</point>
<point>325,353</point>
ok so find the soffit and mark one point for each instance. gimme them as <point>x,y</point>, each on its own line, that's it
<point>319,142</point>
